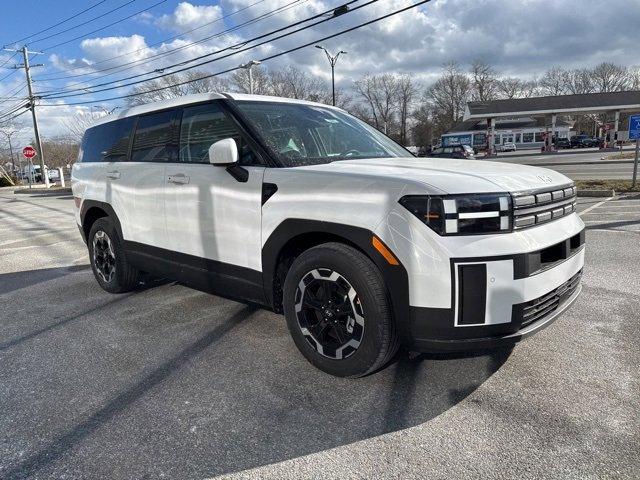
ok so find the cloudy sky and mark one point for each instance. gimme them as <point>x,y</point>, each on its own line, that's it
<point>518,37</point>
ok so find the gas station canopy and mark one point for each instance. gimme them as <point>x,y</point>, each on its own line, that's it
<point>555,105</point>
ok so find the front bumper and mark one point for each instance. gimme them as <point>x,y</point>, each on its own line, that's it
<point>497,301</point>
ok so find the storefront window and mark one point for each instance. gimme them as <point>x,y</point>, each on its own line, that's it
<point>518,137</point>
<point>527,137</point>
<point>539,137</point>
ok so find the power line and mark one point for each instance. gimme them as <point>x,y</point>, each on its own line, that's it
<point>16,116</point>
<point>11,112</point>
<point>44,77</point>
<point>106,26</point>
<point>59,23</point>
<point>102,15</point>
<point>8,60</point>
<point>16,91</point>
<point>232,47</point>
<point>270,57</point>
<point>7,75</point>
<point>118,68</point>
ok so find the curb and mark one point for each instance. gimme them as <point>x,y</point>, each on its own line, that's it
<point>596,193</point>
<point>42,191</point>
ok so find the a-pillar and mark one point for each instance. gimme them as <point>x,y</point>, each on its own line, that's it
<point>491,126</point>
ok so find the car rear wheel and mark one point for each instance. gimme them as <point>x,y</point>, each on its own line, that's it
<point>108,261</point>
<point>338,312</point>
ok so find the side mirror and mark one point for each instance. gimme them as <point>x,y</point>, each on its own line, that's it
<point>223,153</point>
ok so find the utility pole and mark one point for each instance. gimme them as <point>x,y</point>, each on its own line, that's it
<point>32,107</point>
<point>332,61</point>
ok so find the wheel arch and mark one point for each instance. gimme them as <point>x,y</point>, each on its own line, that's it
<point>92,210</point>
<point>293,236</point>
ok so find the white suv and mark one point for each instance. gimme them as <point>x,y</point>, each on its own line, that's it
<point>306,210</point>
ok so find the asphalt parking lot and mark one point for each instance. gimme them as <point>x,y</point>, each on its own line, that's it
<point>169,382</point>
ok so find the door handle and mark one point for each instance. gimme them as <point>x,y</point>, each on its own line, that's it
<point>114,174</point>
<point>179,178</point>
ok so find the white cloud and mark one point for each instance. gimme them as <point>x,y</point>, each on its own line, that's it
<point>187,16</point>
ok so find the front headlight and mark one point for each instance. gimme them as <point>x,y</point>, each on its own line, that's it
<point>462,214</point>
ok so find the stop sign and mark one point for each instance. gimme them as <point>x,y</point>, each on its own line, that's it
<point>29,152</point>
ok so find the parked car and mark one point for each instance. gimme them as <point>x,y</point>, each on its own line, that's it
<point>304,209</point>
<point>506,147</point>
<point>584,141</point>
<point>454,151</point>
<point>36,174</point>
<point>562,143</point>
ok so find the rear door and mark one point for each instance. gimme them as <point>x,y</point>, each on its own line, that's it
<point>209,213</point>
<point>135,186</point>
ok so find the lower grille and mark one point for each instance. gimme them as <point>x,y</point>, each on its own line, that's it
<point>540,307</point>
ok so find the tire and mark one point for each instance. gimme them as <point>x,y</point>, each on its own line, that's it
<point>115,275</point>
<point>360,302</point>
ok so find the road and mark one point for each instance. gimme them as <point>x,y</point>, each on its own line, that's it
<point>168,382</point>
<point>583,164</point>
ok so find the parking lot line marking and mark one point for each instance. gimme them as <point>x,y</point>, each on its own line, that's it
<point>609,212</point>
<point>584,212</point>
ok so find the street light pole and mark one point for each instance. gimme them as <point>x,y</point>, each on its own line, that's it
<point>333,59</point>
<point>9,135</point>
<point>248,66</point>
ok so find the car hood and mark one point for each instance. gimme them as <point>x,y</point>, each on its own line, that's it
<point>449,175</point>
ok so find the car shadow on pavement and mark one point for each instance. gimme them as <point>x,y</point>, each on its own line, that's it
<point>236,396</point>
<point>17,280</point>
<point>70,439</point>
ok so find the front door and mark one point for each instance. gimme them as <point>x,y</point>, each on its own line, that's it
<point>211,217</point>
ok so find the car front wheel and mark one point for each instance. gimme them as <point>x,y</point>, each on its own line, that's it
<point>338,311</point>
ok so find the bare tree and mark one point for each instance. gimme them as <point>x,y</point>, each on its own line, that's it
<point>407,90</point>
<point>379,93</point>
<point>261,80</point>
<point>578,81</point>
<point>174,85</point>
<point>513,87</point>
<point>61,151</point>
<point>553,82</point>
<point>448,96</point>
<point>9,129</point>
<point>634,78</point>
<point>294,83</point>
<point>609,77</point>
<point>423,128</point>
<point>484,81</point>
<point>76,124</point>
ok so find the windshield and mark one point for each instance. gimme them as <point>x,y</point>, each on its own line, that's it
<point>308,135</point>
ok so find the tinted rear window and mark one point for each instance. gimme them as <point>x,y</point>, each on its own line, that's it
<point>108,142</point>
<point>156,138</point>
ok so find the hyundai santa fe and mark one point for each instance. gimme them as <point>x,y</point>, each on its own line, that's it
<point>306,210</point>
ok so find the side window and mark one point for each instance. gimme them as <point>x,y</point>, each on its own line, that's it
<point>108,142</point>
<point>155,139</point>
<point>204,125</point>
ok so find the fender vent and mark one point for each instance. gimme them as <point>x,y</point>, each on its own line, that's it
<point>268,189</point>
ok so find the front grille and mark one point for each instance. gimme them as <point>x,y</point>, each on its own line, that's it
<point>539,308</point>
<point>531,209</point>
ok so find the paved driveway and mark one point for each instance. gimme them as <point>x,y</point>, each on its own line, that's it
<point>169,382</point>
